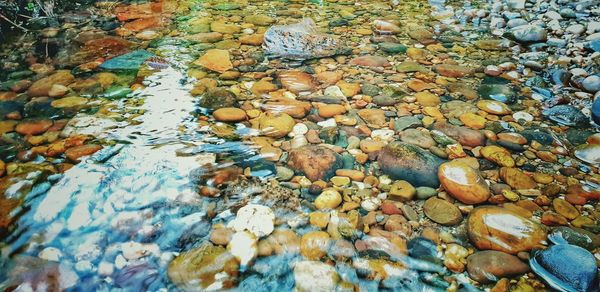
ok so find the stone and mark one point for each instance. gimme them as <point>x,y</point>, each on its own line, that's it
<point>489,266</point>
<point>465,136</point>
<point>455,71</point>
<point>529,34</point>
<point>411,163</point>
<point>259,19</point>
<point>314,245</point>
<point>244,247</point>
<point>300,41</point>
<point>566,114</point>
<point>589,153</point>
<point>498,92</point>
<point>315,276</point>
<point>370,61</point>
<point>33,127</point>
<point>130,61</point>
<point>58,90</point>
<point>328,199</point>
<point>473,121</point>
<point>494,107</point>
<point>276,125</point>
<point>69,102</point>
<point>373,116</point>
<point>386,27</point>
<point>442,212</point>
<point>296,81</point>
<point>417,137</point>
<point>205,37</point>
<point>463,182</point>
<point>229,114</point>
<point>76,153</point>
<point>257,219</point>
<point>498,155</point>
<point>565,208</point>
<point>252,40</point>
<point>591,83</point>
<point>331,110</point>
<point>566,267</point>
<point>402,190</point>
<point>427,99</point>
<point>516,178</point>
<point>204,267</point>
<point>224,27</point>
<point>43,86</point>
<point>315,162</point>
<point>221,236</point>
<point>215,60</point>
<point>500,229</point>
<point>218,98</point>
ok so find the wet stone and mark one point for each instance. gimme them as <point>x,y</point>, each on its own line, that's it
<point>411,163</point>
<point>315,162</point>
<point>202,267</point>
<point>463,182</point>
<point>566,267</point>
<point>442,211</point>
<point>489,266</point>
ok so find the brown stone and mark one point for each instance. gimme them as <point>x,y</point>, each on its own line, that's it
<point>442,211</point>
<point>314,244</point>
<point>43,86</point>
<point>315,162</point>
<point>296,81</point>
<point>75,153</point>
<point>36,127</point>
<point>487,266</point>
<point>516,178</point>
<point>463,182</point>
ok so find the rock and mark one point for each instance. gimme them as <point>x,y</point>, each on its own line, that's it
<point>386,27</point>
<point>257,219</point>
<point>465,136</point>
<point>473,121</point>
<point>42,87</point>
<point>58,90</point>
<point>423,249</point>
<point>205,267</point>
<point>331,110</point>
<point>565,208</point>
<point>373,116</point>
<point>229,114</point>
<point>566,267</point>
<point>130,61</point>
<point>205,37</point>
<point>69,102</point>
<point>243,246</point>
<point>417,137</point>
<point>516,178</point>
<point>567,115</point>
<point>328,199</point>
<point>427,99</point>
<point>370,61</point>
<point>314,245</point>
<point>497,155</point>
<point>489,266</point>
<point>218,98</point>
<point>529,34</point>
<point>300,41</point>
<point>425,193</point>
<point>498,92</point>
<point>403,123</point>
<point>392,48</point>
<point>455,71</point>
<point>463,182</point>
<point>296,81</point>
<point>224,27</point>
<point>33,127</point>
<point>409,162</point>
<point>495,228</point>
<point>315,162</point>
<point>442,211</point>
<point>276,125</point>
<point>402,190</point>
<point>493,107</point>
<point>315,276</point>
<point>215,60</point>
<point>575,236</point>
<point>76,153</point>
<point>589,153</point>
<point>259,19</point>
<point>221,236</point>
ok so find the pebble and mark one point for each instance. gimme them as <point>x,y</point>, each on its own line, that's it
<point>463,182</point>
<point>442,211</point>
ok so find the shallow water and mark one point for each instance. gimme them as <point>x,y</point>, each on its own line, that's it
<point>307,160</point>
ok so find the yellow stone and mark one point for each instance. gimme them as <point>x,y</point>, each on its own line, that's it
<point>427,99</point>
<point>70,101</point>
<point>473,121</point>
<point>328,199</point>
<point>319,219</point>
<point>7,126</point>
<point>215,60</point>
<point>565,208</point>
<point>543,178</point>
<point>314,244</point>
<point>493,107</point>
<point>463,182</point>
<point>497,155</point>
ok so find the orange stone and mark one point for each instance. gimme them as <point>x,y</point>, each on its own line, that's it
<point>33,127</point>
<point>496,228</point>
<point>463,182</point>
<point>516,178</point>
<point>74,154</point>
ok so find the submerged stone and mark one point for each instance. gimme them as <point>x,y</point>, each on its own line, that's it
<point>204,267</point>
<point>315,162</point>
<point>411,163</point>
<point>566,267</point>
<point>489,266</point>
<point>463,182</point>
<point>589,153</point>
<point>567,115</point>
<point>496,228</point>
<point>129,61</point>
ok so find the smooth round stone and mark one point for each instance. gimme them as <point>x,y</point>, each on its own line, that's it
<point>442,211</point>
<point>314,244</point>
<point>197,269</point>
<point>566,267</point>
<point>566,114</point>
<point>497,155</point>
<point>490,265</point>
<point>463,182</point>
<point>276,125</point>
<point>517,179</point>
<point>76,153</point>
<point>425,193</point>
<point>410,163</point>
<point>529,34</point>
<point>296,81</point>
<point>423,249</point>
<point>589,153</point>
<point>328,199</point>
<point>575,236</point>
<point>525,116</point>
<point>402,190</point>
<point>493,107</point>
<point>33,127</point>
<point>496,228</point>
<point>565,209</point>
<point>512,138</point>
<point>497,92</point>
<point>331,110</point>
<point>417,137</point>
<point>229,114</point>
<point>591,83</point>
